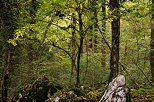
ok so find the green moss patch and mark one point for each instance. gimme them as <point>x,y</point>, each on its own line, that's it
<point>142,95</point>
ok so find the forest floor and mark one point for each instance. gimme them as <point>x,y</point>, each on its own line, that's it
<point>42,87</point>
<point>142,95</point>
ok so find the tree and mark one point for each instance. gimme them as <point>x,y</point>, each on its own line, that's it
<point>73,45</point>
<point>94,9</point>
<point>115,24</point>
<point>82,36</point>
<point>103,63</point>
<point>152,43</point>
<point>8,25</point>
<point>95,14</point>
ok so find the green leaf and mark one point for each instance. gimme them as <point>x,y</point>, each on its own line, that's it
<point>137,14</point>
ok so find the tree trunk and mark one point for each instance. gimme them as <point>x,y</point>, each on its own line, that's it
<point>33,9</point>
<point>152,44</point>
<point>73,47</point>
<point>95,36</point>
<point>6,75</point>
<point>81,33</point>
<point>115,24</point>
<point>94,28</point>
<point>103,63</point>
<point>125,52</point>
<point>7,29</point>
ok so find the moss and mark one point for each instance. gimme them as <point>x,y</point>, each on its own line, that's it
<point>78,91</point>
<point>148,100</point>
<point>142,95</point>
<point>78,101</point>
<point>134,95</point>
<point>38,91</point>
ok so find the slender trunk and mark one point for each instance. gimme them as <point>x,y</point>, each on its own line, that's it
<point>125,52</point>
<point>95,36</point>
<point>6,76</point>
<point>138,50</point>
<point>7,30</point>
<point>72,70</point>
<point>80,47</point>
<point>152,44</point>
<point>86,70</point>
<point>78,62</point>
<point>91,45</point>
<point>137,61</point>
<point>93,28</point>
<point>115,24</point>
<point>33,9</point>
<point>73,47</point>
<point>84,46</point>
<point>103,63</point>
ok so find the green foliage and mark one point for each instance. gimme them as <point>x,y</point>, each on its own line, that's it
<point>92,71</point>
<point>94,95</point>
<point>78,91</point>
<point>142,95</point>
<point>36,56</point>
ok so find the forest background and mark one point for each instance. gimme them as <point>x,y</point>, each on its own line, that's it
<point>71,42</point>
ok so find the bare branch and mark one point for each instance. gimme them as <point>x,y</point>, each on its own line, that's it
<point>67,52</point>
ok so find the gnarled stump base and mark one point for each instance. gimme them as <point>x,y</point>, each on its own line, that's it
<point>116,91</point>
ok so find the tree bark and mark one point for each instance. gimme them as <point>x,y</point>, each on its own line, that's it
<point>7,29</point>
<point>152,44</point>
<point>115,24</point>
<point>33,9</point>
<point>81,33</point>
<point>73,53</point>
<point>95,36</point>
<point>6,75</point>
<point>103,63</point>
